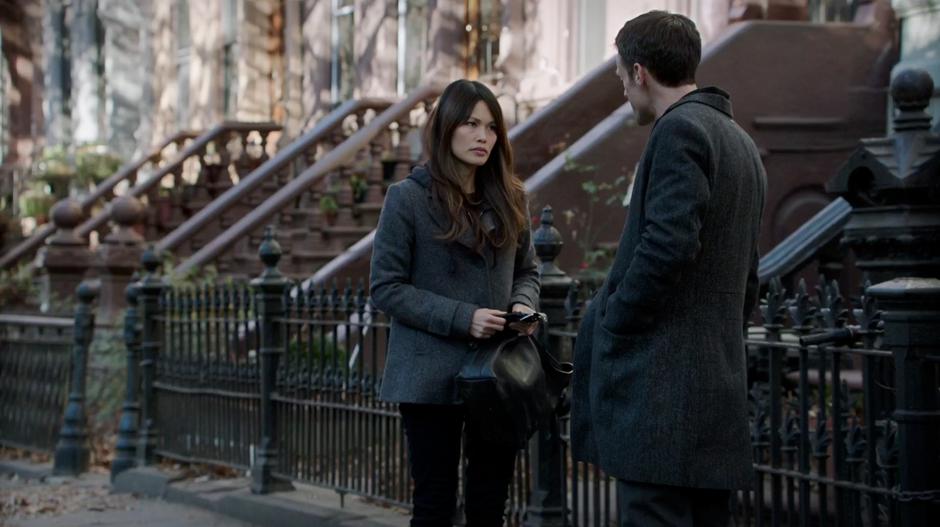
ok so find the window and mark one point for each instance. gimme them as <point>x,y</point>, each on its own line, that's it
<point>229,57</point>
<point>343,57</point>
<point>4,104</point>
<point>412,43</point>
<point>183,47</point>
<point>832,10</point>
<point>484,23</point>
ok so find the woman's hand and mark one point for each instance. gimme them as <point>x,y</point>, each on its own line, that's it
<point>486,322</point>
<point>524,329</point>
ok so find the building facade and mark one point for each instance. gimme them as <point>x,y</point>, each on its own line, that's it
<point>130,73</point>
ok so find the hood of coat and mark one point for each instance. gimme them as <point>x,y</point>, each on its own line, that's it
<point>422,176</point>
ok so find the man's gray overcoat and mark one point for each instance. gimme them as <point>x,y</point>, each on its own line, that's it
<point>658,393</point>
<point>431,287</point>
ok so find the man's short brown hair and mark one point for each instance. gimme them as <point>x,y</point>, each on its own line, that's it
<point>666,44</point>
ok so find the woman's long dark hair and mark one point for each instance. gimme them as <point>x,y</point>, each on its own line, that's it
<point>495,181</point>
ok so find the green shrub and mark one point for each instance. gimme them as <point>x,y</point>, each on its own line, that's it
<point>35,202</point>
<point>94,163</point>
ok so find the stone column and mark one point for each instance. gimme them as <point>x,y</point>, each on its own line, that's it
<point>143,135</point>
<point>376,45</point>
<point>447,41</point>
<point>205,64</point>
<point>57,76</point>
<point>316,61</point>
<point>119,256</point>
<point>124,70</point>
<point>87,107</point>
<point>293,69</point>
<point>165,82</point>
<point>254,62</point>
<point>64,260</point>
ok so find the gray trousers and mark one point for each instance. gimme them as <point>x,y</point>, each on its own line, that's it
<point>650,505</point>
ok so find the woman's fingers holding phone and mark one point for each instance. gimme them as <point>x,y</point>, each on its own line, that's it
<point>486,322</point>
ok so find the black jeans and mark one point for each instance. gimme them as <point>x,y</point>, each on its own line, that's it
<point>650,505</point>
<point>434,433</point>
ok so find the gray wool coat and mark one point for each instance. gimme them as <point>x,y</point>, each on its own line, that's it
<point>659,387</point>
<point>431,287</point>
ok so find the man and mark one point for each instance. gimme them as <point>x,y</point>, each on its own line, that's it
<point>659,397</point>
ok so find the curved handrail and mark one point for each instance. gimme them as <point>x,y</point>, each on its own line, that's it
<point>31,244</point>
<point>106,186</point>
<point>343,153</point>
<point>595,95</point>
<point>611,125</point>
<point>272,166</point>
<point>607,132</point>
<point>191,149</point>
<point>803,243</point>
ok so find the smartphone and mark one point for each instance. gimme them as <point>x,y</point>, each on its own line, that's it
<point>524,318</point>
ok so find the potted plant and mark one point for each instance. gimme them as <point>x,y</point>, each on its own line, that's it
<point>55,169</point>
<point>359,187</point>
<point>35,203</point>
<point>16,285</point>
<point>329,208</point>
<point>94,163</point>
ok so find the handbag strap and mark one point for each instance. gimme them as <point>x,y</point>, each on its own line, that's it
<point>549,360</point>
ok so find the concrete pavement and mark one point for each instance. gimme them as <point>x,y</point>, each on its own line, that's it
<point>149,497</point>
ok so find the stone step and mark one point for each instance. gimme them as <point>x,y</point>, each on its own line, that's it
<point>368,213</point>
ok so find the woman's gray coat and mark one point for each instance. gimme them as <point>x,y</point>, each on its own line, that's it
<point>659,388</point>
<point>431,287</point>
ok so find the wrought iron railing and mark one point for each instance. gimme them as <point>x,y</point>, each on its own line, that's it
<point>822,401</point>
<point>129,174</point>
<point>334,431</point>
<point>43,368</point>
<point>284,379</point>
<point>253,188</point>
<point>207,364</point>
<point>35,361</point>
<point>333,202</point>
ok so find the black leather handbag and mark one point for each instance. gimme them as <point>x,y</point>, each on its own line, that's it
<point>511,386</point>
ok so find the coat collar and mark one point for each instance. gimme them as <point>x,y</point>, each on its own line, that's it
<point>709,96</point>
<point>422,176</point>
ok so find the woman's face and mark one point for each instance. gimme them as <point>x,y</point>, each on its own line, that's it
<point>474,139</point>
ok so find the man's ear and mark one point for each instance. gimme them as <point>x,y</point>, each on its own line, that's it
<point>639,74</point>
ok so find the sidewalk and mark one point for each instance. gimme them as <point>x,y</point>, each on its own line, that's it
<point>30,497</point>
<point>87,501</point>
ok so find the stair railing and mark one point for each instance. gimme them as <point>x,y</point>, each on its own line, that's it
<point>344,153</point>
<point>304,147</point>
<point>198,150</point>
<point>103,192</point>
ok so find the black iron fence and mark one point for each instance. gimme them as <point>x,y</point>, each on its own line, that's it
<point>333,429</point>
<point>822,403</point>
<point>35,362</point>
<point>207,364</point>
<point>284,380</point>
<point>43,368</point>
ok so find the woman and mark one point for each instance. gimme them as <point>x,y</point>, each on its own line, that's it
<point>451,255</point>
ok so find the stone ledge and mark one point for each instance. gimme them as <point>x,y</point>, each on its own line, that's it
<point>25,469</point>
<point>232,497</point>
